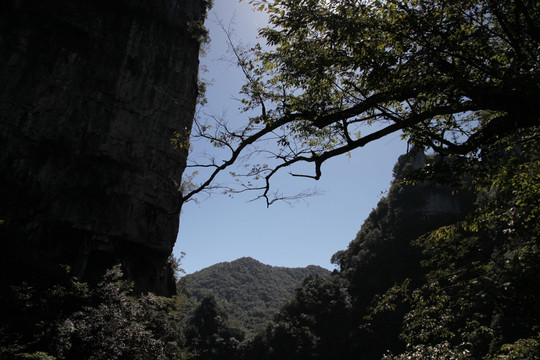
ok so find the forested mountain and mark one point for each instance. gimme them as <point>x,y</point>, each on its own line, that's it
<point>435,272</point>
<point>249,292</point>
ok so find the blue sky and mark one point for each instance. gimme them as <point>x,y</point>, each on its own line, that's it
<point>220,228</point>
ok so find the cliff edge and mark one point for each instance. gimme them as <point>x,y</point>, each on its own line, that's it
<point>91,92</point>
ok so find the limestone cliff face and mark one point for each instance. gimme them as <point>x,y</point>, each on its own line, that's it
<point>91,92</point>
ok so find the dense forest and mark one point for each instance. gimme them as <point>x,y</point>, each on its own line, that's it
<point>248,291</point>
<point>446,266</point>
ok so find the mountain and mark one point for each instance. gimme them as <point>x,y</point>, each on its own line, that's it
<point>249,291</point>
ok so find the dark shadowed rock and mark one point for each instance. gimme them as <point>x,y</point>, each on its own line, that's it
<point>91,92</point>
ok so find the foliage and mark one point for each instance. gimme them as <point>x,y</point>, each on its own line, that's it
<point>523,349</point>
<point>208,334</point>
<point>29,309</point>
<point>196,29</point>
<point>250,292</point>
<point>37,356</point>
<point>72,320</point>
<point>118,326</point>
<point>337,75</point>
<point>310,322</point>
<point>442,351</point>
<point>481,292</point>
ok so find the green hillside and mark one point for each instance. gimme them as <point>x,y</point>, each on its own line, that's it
<point>249,291</point>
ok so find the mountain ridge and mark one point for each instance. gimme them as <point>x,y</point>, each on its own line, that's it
<point>249,258</point>
<point>249,291</point>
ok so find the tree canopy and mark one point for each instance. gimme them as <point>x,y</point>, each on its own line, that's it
<point>336,75</point>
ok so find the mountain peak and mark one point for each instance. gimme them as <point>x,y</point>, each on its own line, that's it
<point>247,259</point>
<point>251,292</point>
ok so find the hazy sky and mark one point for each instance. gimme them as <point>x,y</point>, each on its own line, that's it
<point>309,232</point>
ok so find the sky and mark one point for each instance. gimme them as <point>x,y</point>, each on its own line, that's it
<point>309,232</point>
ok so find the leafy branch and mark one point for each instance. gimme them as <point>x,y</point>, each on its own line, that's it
<point>337,76</point>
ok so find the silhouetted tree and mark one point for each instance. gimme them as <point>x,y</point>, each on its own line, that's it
<point>209,336</point>
<point>453,76</point>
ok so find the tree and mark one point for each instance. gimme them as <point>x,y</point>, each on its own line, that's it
<point>69,319</point>
<point>315,321</point>
<point>336,75</point>
<point>208,334</point>
<point>118,325</point>
<point>480,295</point>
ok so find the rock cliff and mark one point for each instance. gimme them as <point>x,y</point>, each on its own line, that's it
<point>91,92</point>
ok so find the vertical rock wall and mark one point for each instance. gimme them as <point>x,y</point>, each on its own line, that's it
<point>91,92</point>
